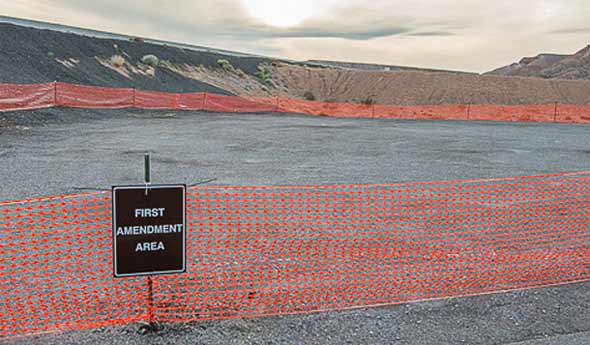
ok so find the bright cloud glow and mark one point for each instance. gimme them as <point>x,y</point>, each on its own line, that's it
<point>287,13</point>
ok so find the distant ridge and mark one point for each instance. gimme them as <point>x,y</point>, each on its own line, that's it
<point>375,67</point>
<point>550,66</point>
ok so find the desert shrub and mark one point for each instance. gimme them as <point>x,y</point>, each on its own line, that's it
<point>150,60</point>
<point>226,65</point>
<point>368,101</point>
<point>117,60</point>
<point>308,96</point>
<point>265,74</point>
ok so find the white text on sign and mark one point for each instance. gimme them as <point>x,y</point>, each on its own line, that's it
<point>149,247</point>
<point>149,212</point>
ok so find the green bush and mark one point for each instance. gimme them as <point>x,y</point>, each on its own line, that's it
<point>150,60</point>
<point>226,65</point>
<point>265,74</point>
<point>51,55</point>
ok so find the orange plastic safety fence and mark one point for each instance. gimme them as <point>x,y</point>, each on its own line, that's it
<point>33,96</point>
<point>71,95</point>
<point>15,97</point>
<point>234,104</point>
<point>155,100</point>
<point>256,251</point>
<point>192,101</point>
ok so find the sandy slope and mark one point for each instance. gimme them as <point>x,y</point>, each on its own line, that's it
<point>418,88</point>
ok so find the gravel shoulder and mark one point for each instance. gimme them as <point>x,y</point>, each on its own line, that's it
<point>547,316</point>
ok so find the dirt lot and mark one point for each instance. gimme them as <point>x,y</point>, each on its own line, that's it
<point>55,151</point>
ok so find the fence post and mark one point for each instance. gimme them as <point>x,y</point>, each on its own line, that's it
<point>55,103</point>
<point>555,113</point>
<point>204,100</point>
<point>373,110</point>
<point>134,105</point>
<point>146,169</point>
<point>150,302</point>
<point>468,110</point>
<point>152,326</point>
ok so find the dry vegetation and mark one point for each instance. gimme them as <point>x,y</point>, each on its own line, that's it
<point>233,80</point>
<point>120,65</point>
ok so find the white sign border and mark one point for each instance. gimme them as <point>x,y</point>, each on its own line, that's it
<point>114,227</point>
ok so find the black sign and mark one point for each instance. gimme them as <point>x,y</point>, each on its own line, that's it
<point>149,230</point>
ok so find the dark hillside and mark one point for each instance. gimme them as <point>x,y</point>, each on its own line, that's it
<point>31,55</point>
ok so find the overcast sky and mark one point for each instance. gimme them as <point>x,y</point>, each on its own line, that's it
<point>472,35</point>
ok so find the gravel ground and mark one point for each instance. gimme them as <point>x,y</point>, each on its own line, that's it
<point>55,151</point>
<point>535,317</point>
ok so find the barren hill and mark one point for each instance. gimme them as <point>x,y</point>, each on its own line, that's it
<point>32,55</point>
<point>418,88</point>
<point>553,66</point>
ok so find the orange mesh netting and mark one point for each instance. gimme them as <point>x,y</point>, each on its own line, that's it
<point>15,97</point>
<point>33,96</point>
<point>256,251</point>
<point>71,95</point>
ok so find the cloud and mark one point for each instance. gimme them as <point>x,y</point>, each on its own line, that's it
<point>318,32</point>
<point>431,33</point>
<point>228,18</point>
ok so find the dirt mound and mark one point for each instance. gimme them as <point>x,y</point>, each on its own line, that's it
<point>576,66</point>
<point>421,88</point>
